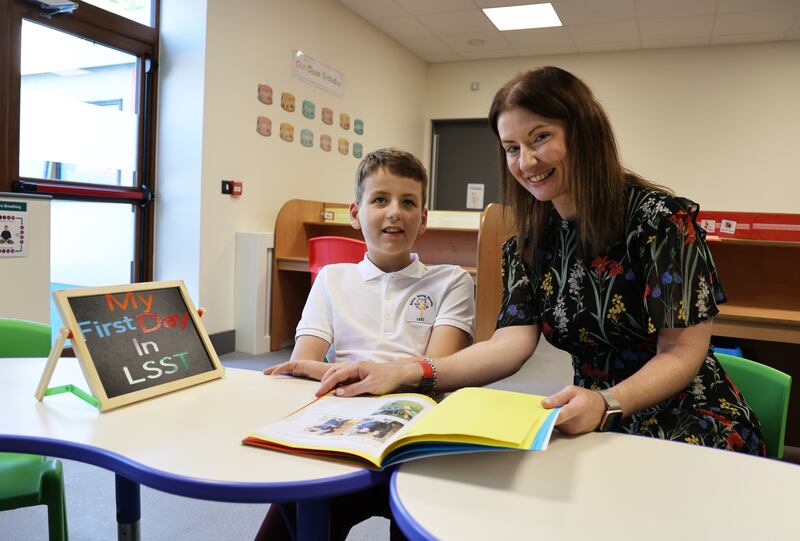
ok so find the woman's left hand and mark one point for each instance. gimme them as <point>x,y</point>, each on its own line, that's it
<point>581,409</point>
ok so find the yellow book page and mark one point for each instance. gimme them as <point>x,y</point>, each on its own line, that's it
<point>475,415</point>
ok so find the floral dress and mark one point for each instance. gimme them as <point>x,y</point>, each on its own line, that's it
<point>607,312</point>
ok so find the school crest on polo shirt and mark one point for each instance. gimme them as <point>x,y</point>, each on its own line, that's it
<point>420,309</point>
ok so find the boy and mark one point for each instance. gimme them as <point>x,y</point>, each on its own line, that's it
<point>387,307</point>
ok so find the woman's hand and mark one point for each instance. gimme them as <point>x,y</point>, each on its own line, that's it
<point>303,369</point>
<point>581,409</point>
<point>362,377</point>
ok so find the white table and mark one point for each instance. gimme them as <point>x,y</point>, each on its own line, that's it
<point>598,487</point>
<point>185,443</point>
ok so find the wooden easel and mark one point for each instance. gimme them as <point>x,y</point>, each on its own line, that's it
<point>55,354</point>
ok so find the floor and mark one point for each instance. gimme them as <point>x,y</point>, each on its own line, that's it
<point>165,517</point>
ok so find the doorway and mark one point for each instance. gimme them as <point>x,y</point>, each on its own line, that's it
<point>464,170</point>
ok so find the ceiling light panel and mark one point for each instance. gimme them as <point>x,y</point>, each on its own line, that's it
<point>523,17</point>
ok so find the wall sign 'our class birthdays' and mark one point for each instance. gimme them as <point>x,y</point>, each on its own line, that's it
<point>134,341</point>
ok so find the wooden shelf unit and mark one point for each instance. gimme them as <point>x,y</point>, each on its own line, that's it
<point>300,220</point>
<point>759,279</point>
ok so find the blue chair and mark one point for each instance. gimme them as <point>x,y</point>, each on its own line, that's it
<point>767,392</point>
<point>27,480</point>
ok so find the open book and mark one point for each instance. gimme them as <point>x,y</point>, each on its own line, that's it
<point>378,431</point>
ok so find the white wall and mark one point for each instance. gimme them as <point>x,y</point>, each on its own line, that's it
<point>717,124</point>
<point>181,95</point>
<point>248,43</point>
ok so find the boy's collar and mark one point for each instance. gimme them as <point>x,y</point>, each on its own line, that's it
<point>369,271</point>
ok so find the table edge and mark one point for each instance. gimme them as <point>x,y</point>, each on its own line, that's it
<point>193,487</point>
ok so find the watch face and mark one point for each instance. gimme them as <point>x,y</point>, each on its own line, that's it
<point>611,421</point>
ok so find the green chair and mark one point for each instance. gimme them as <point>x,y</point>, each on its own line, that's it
<point>27,480</point>
<point>767,392</point>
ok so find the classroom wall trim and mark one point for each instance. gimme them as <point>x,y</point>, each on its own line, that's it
<point>223,342</point>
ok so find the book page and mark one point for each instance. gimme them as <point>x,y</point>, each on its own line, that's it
<point>360,425</point>
<point>484,416</point>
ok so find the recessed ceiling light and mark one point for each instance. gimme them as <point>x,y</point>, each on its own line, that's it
<point>522,17</point>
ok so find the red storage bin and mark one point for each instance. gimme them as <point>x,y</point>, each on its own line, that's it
<point>325,250</point>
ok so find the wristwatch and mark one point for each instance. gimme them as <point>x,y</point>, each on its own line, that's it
<point>612,417</point>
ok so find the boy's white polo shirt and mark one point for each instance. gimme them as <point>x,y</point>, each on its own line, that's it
<point>368,314</point>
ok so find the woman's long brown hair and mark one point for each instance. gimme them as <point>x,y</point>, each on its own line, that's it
<point>596,178</point>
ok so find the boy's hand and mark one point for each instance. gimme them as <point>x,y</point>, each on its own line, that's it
<point>355,378</point>
<point>303,369</point>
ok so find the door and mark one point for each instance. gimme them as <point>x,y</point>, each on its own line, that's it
<point>463,165</point>
<point>78,124</point>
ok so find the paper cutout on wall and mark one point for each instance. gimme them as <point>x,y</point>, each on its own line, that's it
<point>325,143</point>
<point>264,126</point>
<point>287,101</point>
<point>265,94</point>
<point>327,115</point>
<point>344,121</point>
<point>307,138</point>
<point>308,109</point>
<point>358,150</point>
<point>344,146</point>
<point>358,126</point>
<point>287,132</point>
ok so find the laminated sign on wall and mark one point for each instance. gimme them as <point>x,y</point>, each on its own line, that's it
<point>317,73</point>
<point>13,221</point>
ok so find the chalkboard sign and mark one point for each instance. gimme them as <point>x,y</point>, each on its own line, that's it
<point>137,341</point>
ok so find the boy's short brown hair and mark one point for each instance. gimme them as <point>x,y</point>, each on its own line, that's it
<point>398,162</point>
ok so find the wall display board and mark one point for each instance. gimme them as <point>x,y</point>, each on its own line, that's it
<point>133,342</point>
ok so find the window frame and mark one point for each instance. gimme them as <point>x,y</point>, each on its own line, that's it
<point>111,30</point>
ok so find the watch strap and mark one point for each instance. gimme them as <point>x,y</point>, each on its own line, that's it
<point>612,417</point>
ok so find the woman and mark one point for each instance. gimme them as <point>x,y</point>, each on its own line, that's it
<point>606,265</point>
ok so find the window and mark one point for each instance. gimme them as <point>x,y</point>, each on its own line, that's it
<point>77,102</point>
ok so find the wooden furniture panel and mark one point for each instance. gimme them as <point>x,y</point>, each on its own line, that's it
<point>496,227</point>
<point>290,288</point>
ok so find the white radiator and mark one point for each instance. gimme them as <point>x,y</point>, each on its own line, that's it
<point>252,291</point>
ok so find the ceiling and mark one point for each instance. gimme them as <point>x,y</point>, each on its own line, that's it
<point>453,30</point>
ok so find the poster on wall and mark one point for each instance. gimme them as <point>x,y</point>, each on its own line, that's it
<point>287,101</point>
<point>264,126</point>
<point>13,221</point>
<point>475,191</point>
<point>325,143</point>
<point>318,74</point>
<point>306,138</point>
<point>265,94</point>
<point>287,132</point>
